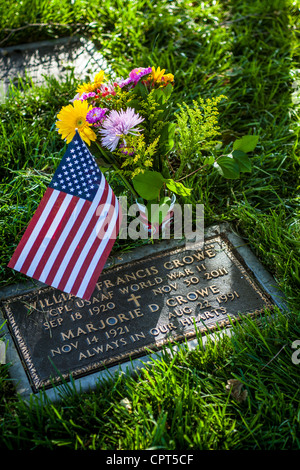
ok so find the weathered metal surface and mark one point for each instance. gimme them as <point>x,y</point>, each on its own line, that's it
<point>136,307</point>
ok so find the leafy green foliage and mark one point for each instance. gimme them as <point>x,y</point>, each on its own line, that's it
<point>196,131</point>
<point>229,167</point>
<point>148,184</point>
<point>237,161</point>
<point>177,187</point>
<point>137,155</point>
<point>246,144</point>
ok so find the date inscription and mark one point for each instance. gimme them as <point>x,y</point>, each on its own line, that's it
<point>136,307</point>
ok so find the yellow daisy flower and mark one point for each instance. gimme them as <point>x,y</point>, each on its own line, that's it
<point>168,78</point>
<point>92,86</point>
<point>159,77</point>
<point>98,80</point>
<point>157,74</point>
<point>85,88</point>
<point>73,117</point>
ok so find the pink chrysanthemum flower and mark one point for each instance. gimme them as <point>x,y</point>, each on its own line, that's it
<point>138,73</point>
<point>123,82</point>
<point>118,124</point>
<point>84,96</point>
<point>134,76</point>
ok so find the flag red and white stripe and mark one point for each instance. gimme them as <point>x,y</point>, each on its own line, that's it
<point>70,237</point>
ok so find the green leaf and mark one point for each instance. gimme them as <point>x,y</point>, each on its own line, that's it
<point>159,96</point>
<point>143,91</point>
<point>243,160</point>
<point>134,103</point>
<point>228,167</point>
<point>209,160</point>
<point>148,184</point>
<point>177,188</point>
<point>168,90</point>
<point>166,141</point>
<point>162,94</point>
<point>246,144</point>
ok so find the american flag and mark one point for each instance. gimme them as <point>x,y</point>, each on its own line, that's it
<point>72,232</point>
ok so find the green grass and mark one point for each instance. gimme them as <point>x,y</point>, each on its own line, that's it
<point>248,51</point>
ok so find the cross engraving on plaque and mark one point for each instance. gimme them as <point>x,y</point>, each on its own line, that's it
<point>135,299</point>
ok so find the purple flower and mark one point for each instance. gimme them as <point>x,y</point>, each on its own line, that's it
<point>124,82</point>
<point>84,96</point>
<point>122,146</point>
<point>134,76</point>
<point>95,115</point>
<point>138,73</point>
<point>118,124</point>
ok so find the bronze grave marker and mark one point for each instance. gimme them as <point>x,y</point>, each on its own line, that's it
<point>137,306</point>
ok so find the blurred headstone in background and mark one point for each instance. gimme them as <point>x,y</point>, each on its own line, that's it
<point>48,58</point>
<point>2,352</point>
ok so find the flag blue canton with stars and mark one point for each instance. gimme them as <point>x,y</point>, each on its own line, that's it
<point>78,173</point>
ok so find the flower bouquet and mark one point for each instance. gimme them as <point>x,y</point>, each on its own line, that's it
<point>133,130</point>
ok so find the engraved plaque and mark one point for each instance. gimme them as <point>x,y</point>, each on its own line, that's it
<point>136,307</point>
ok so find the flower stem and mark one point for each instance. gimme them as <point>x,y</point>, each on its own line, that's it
<point>198,169</point>
<point>118,171</point>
